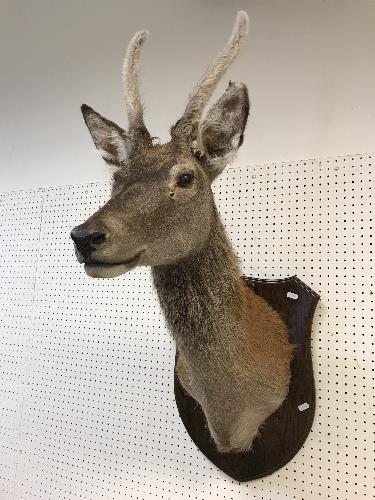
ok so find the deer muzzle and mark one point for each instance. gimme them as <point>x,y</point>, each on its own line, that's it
<point>90,242</point>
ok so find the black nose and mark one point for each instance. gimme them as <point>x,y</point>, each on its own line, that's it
<point>87,240</point>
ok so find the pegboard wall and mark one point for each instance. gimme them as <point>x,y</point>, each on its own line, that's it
<point>86,397</point>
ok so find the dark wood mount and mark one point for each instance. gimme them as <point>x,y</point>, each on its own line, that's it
<point>286,430</point>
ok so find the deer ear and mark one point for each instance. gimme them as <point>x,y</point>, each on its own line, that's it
<point>220,134</point>
<point>111,140</point>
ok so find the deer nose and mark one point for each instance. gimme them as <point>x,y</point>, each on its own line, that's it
<point>87,239</point>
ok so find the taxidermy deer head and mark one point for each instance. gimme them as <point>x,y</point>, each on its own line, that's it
<point>233,349</point>
<point>162,206</point>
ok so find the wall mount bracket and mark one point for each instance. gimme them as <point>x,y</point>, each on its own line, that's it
<point>286,430</point>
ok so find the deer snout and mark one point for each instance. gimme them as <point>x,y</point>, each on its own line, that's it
<point>87,239</point>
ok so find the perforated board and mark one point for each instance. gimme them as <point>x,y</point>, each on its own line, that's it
<point>86,400</point>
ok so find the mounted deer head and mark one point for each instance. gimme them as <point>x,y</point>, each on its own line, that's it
<point>162,205</point>
<point>233,350</point>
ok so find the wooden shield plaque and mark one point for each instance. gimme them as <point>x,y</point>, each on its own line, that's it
<point>285,431</point>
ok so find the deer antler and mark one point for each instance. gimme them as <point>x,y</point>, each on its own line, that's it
<point>188,123</point>
<point>131,85</point>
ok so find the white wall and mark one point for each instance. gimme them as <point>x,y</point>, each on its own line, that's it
<point>309,66</point>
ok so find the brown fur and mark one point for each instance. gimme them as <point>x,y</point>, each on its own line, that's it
<point>234,354</point>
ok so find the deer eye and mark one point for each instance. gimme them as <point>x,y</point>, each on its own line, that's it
<point>185,180</point>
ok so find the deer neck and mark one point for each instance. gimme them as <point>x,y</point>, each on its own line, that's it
<point>200,295</point>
